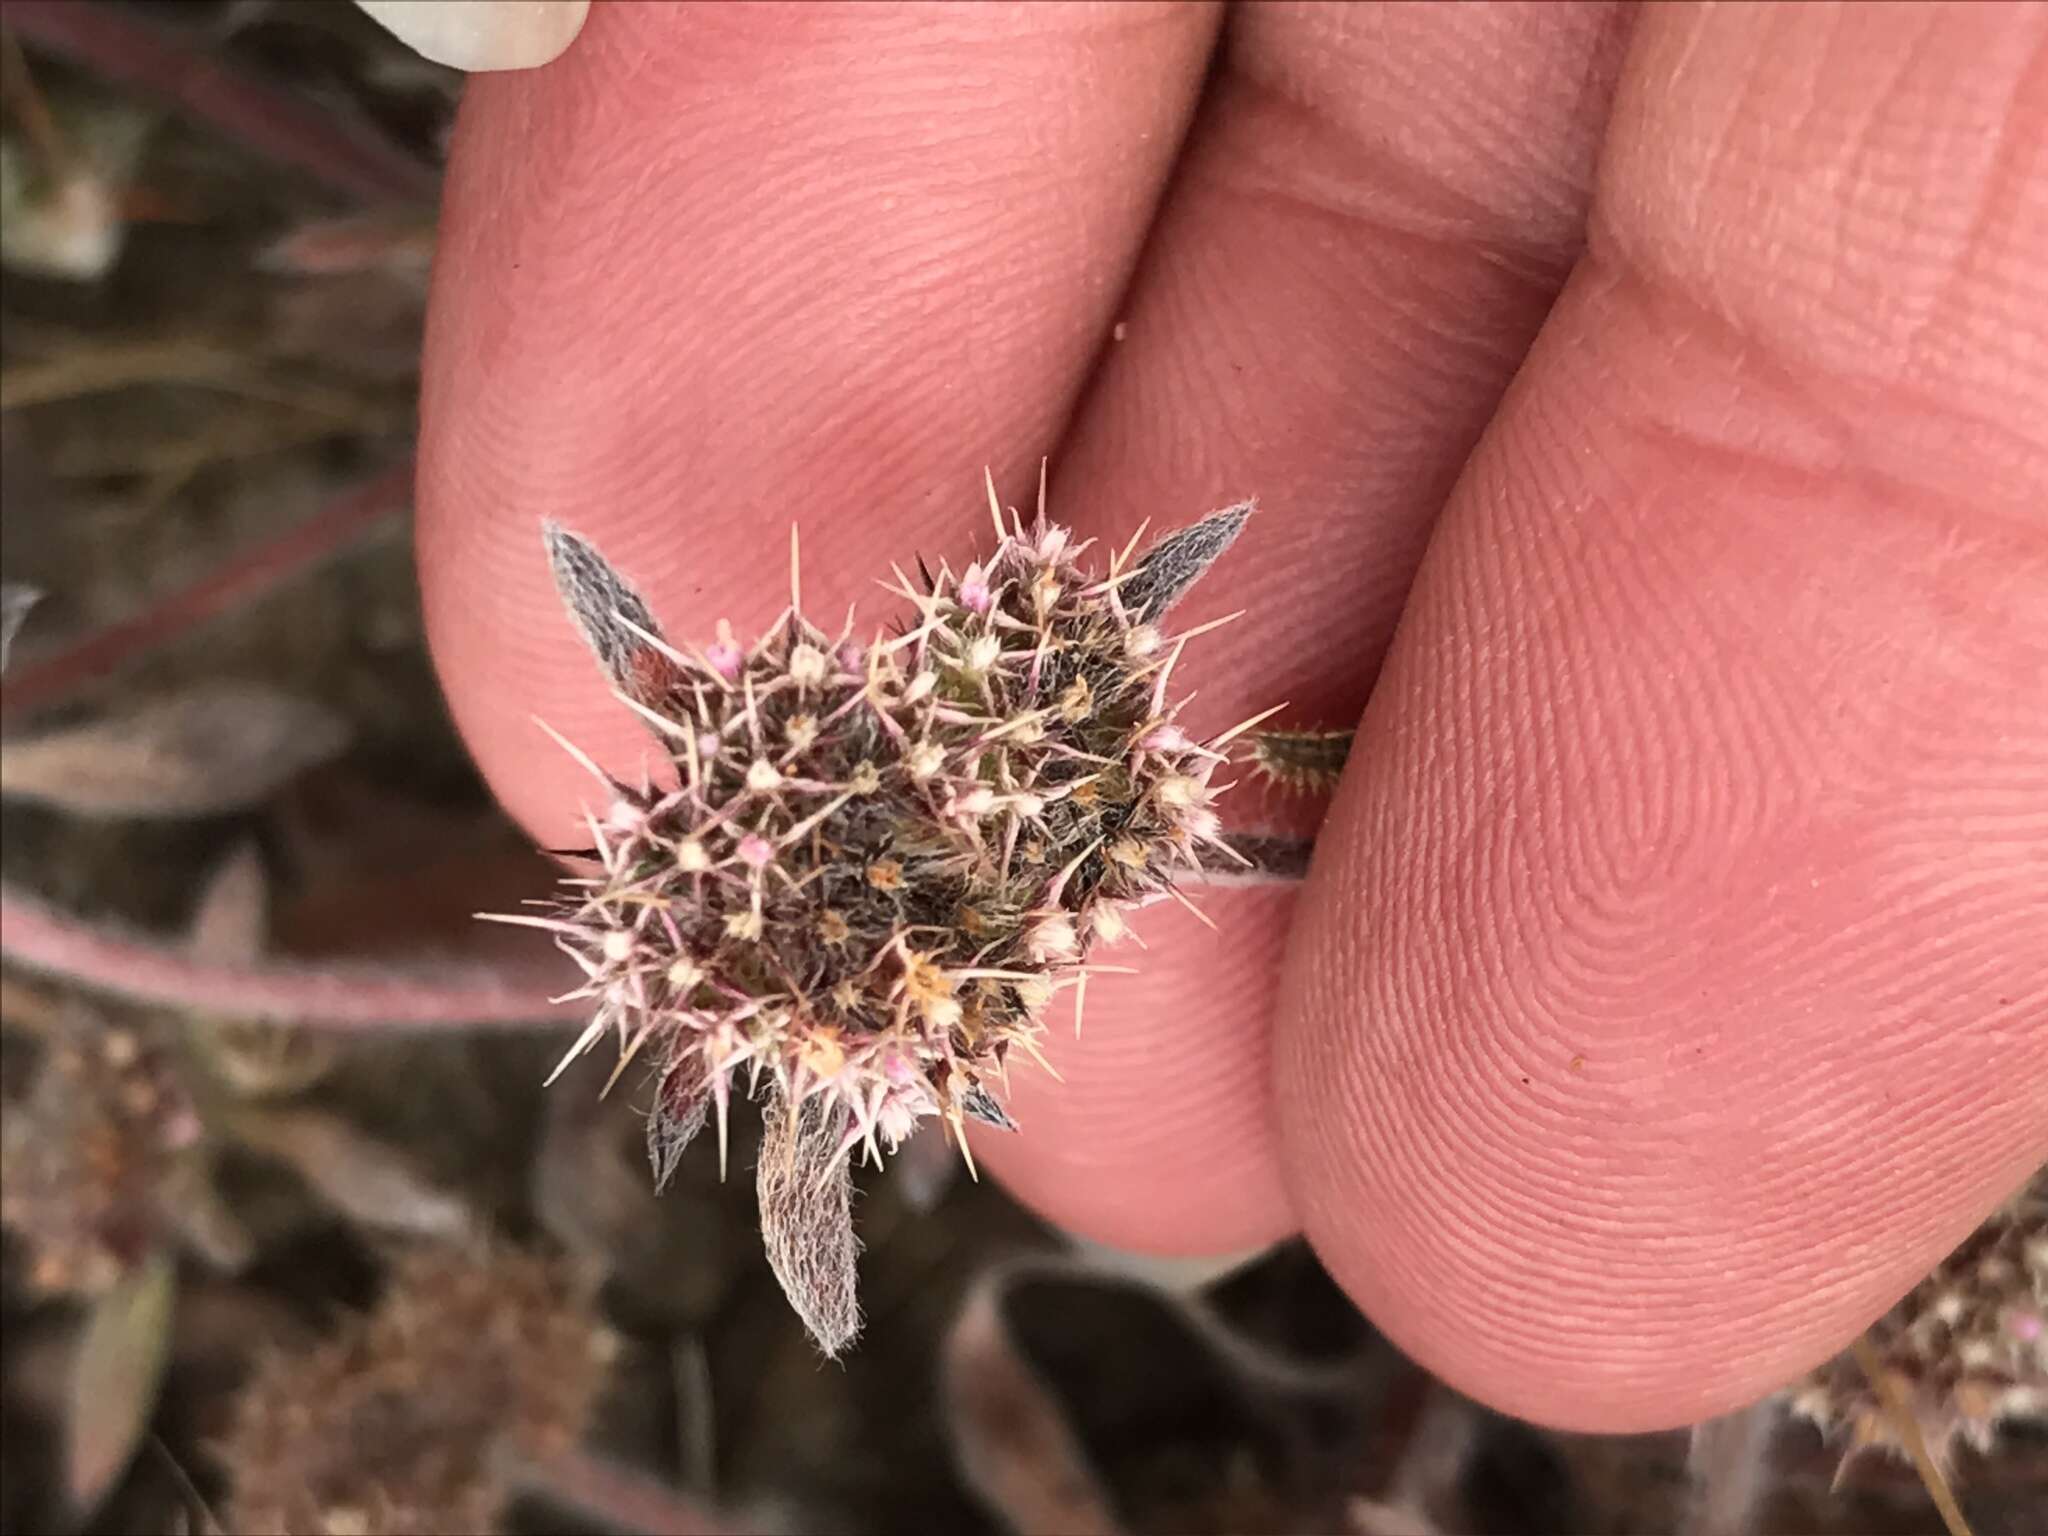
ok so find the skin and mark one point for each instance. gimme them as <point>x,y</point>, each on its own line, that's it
<point>1650,413</point>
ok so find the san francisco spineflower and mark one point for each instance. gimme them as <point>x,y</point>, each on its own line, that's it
<point>415,1416</point>
<point>1964,1353</point>
<point>104,1158</point>
<point>879,860</point>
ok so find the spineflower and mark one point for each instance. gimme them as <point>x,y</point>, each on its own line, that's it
<point>1963,1355</point>
<point>878,861</point>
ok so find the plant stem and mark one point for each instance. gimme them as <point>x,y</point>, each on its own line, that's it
<point>342,149</point>
<point>325,995</point>
<point>242,578</point>
<point>1268,860</point>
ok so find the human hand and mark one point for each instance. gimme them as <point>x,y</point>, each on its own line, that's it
<point>1669,991</point>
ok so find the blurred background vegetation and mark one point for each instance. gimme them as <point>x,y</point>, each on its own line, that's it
<point>293,1240</point>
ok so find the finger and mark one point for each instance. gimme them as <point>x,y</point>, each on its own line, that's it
<point>1376,209</point>
<point>1668,993</point>
<point>721,268</point>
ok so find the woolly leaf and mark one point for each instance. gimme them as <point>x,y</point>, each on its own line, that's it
<point>806,1195</point>
<point>608,612</point>
<point>675,1120</point>
<point>977,1103</point>
<point>1174,564</point>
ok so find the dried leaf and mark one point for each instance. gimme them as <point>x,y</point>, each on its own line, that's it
<point>15,602</point>
<point>258,1058</point>
<point>361,1178</point>
<point>199,752</point>
<point>1010,1437</point>
<point>806,1196</point>
<point>232,923</point>
<point>116,1378</point>
<point>1173,565</point>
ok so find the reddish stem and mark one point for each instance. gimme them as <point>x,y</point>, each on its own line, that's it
<point>126,47</point>
<point>237,581</point>
<point>327,995</point>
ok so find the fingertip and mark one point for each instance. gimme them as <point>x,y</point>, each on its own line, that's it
<point>1158,1136</point>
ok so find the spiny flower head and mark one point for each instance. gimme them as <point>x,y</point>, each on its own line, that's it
<point>92,1160</point>
<point>878,861</point>
<point>401,1422</point>
<point>1966,1350</point>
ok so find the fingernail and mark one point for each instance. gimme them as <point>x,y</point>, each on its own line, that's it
<point>482,34</point>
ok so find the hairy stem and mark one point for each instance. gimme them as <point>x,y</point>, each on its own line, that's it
<point>1306,761</point>
<point>342,149</point>
<point>339,995</point>
<point>241,579</point>
<point>1268,860</point>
